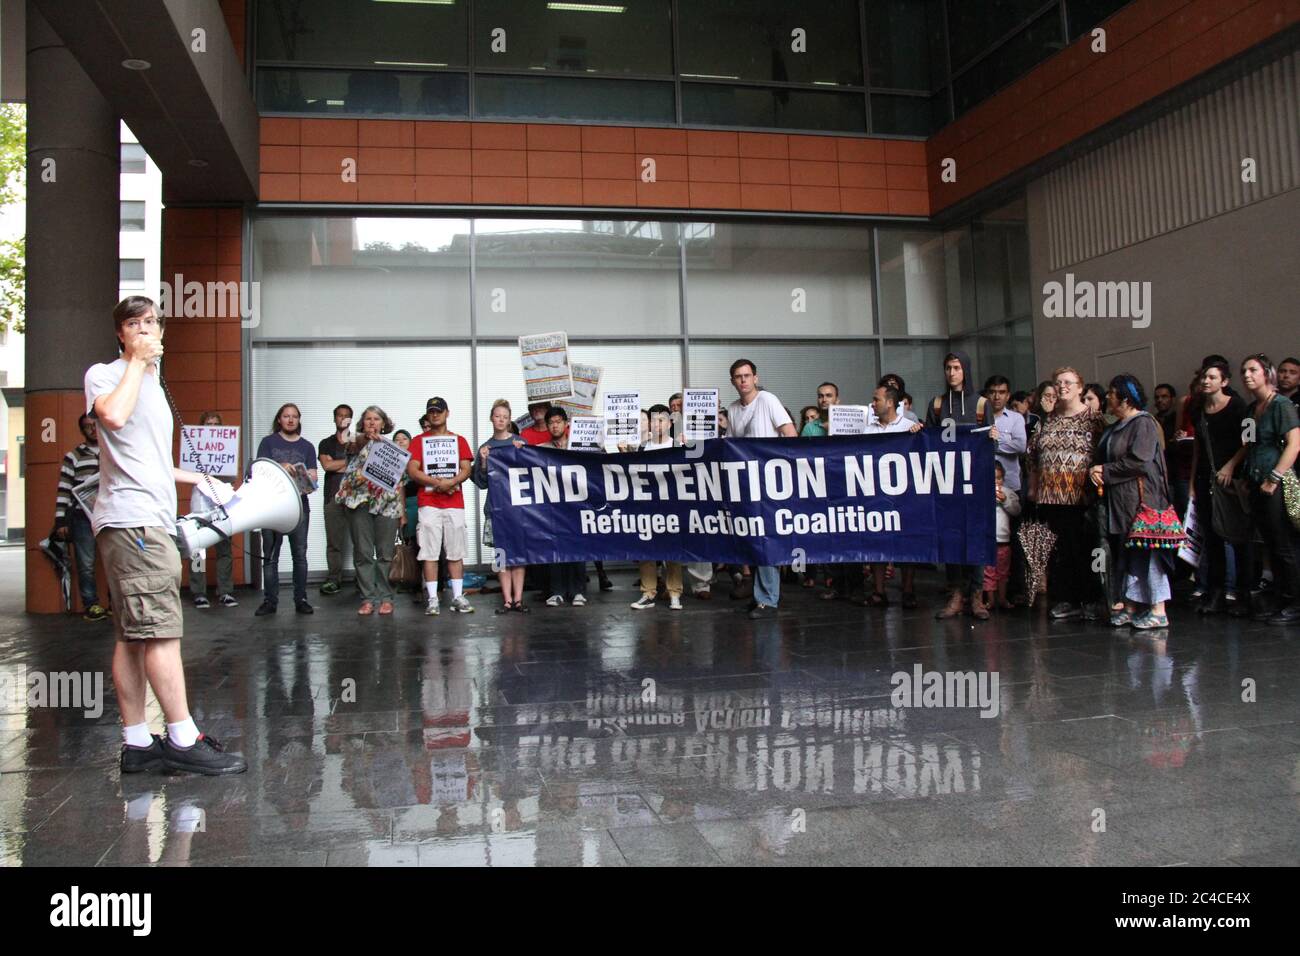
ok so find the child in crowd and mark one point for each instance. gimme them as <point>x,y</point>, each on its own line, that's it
<point>997,575</point>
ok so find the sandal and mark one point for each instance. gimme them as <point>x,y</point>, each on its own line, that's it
<point>1147,621</point>
<point>366,608</point>
<point>386,607</point>
<point>504,609</point>
<point>522,608</point>
<point>1120,618</point>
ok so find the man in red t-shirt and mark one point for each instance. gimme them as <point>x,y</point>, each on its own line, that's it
<point>441,504</point>
<point>536,433</point>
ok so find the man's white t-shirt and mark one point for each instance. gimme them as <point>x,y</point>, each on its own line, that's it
<point>899,424</point>
<point>136,486</point>
<point>759,419</point>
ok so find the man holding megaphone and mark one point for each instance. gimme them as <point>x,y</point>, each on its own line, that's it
<point>134,518</point>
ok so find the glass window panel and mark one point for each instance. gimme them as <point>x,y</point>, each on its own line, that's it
<point>902,115</point>
<point>745,279</point>
<point>789,370</point>
<point>131,215</point>
<point>959,266</point>
<point>905,44</point>
<point>1086,14</point>
<point>133,158</point>
<point>920,365</point>
<point>751,40</point>
<point>1009,350</point>
<point>582,277</point>
<point>1001,246</point>
<point>785,108</point>
<point>345,277</point>
<point>130,272</point>
<point>363,91</point>
<point>1013,59</point>
<point>974,27</point>
<point>399,378</point>
<point>913,282</point>
<point>363,32</point>
<point>572,98</point>
<point>626,36</point>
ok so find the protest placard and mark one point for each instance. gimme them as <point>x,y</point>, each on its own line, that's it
<point>210,449</point>
<point>849,419</point>
<point>545,360</point>
<point>385,464</point>
<point>586,385</point>
<point>587,433</point>
<point>700,413</point>
<point>622,419</point>
<point>441,458</point>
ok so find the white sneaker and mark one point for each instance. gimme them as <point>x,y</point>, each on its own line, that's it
<point>555,600</point>
<point>227,600</point>
<point>431,609</point>
<point>461,606</point>
<point>643,602</point>
<point>579,600</point>
<point>674,602</point>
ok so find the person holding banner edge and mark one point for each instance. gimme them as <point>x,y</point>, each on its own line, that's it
<point>373,513</point>
<point>758,414</point>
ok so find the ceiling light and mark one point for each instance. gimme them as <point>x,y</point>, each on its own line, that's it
<point>586,7</point>
<point>133,64</point>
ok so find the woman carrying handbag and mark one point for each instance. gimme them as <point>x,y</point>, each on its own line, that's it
<point>1141,523</point>
<point>1267,464</point>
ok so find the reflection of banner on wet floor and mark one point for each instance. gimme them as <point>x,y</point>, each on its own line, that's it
<point>892,497</point>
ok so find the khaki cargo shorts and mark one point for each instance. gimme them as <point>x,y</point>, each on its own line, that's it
<point>143,568</point>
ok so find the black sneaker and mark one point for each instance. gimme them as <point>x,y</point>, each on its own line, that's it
<point>302,607</point>
<point>139,759</point>
<point>265,608</point>
<point>760,611</point>
<point>207,757</point>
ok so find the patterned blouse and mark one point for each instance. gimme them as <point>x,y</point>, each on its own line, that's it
<point>355,490</point>
<point>1062,451</point>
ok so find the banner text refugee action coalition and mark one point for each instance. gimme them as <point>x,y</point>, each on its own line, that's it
<point>758,501</point>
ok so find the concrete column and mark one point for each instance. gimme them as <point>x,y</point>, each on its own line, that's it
<point>72,272</point>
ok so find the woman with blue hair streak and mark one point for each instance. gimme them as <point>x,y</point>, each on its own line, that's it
<point>1131,473</point>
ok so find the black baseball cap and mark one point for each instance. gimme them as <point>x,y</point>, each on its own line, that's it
<point>435,405</point>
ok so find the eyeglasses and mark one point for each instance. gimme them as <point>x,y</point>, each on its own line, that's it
<point>136,324</point>
<point>1061,383</point>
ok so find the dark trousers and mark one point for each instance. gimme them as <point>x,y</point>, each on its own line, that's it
<point>271,541</point>
<point>83,546</point>
<point>966,578</point>
<point>1214,551</point>
<point>1070,576</point>
<point>566,578</point>
<point>1268,513</point>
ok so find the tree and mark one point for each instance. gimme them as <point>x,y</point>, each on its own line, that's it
<point>13,188</point>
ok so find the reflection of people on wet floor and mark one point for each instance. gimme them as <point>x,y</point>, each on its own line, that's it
<point>134,520</point>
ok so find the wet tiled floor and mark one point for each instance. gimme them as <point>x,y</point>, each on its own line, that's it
<point>606,736</point>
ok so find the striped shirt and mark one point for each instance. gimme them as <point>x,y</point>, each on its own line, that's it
<point>80,464</point>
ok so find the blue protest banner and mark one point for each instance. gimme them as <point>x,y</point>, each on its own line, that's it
<point>758,501</point>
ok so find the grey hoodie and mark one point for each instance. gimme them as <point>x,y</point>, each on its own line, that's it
<point>958,405</point>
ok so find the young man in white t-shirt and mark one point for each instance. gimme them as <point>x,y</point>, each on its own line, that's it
<point>758,414</point>
<point>134,520</point>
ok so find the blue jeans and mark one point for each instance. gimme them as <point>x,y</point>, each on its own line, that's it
<point>271,541</point>
<point>83,544</point>
<point>767,585</point>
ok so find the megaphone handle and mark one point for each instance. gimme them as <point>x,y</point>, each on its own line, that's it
<point>212,491</point>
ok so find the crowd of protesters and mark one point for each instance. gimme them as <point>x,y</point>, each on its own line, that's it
<point>1109,477</point>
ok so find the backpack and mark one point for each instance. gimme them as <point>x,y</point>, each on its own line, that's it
<point>979,408</point>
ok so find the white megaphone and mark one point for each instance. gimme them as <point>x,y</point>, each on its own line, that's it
<point>269,500</point>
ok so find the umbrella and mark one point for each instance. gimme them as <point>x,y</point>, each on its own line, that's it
<point>53,549</point>
<point>1036,539</point>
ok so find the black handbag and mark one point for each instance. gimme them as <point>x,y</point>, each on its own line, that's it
<point>1230,505</point>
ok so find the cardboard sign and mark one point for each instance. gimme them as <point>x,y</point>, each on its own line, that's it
<point>1191,548</point>
<point>587,433</point>
<point>699,413</point>
<point>385,464</point>
<point>622,419</point>
<point>849,419</point>
<point>211,449</point>
<point>586,385</point>
<point>545,360</point>
<point>441,456</point>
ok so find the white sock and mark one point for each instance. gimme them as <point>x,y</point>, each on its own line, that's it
<point>137,735</point>
<point>457,585</point>
<point>431,590</point>
<point>183,734</point>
